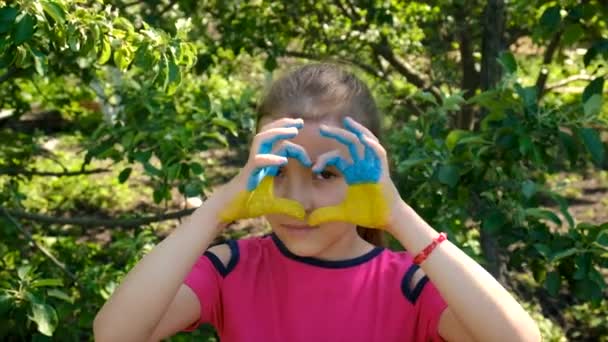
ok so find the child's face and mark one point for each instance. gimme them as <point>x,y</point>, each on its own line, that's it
<point>312,191</point>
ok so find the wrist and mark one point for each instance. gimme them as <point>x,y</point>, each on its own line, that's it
<point>410,229</point>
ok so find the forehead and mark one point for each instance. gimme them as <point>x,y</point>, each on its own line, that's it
<point>312,141</point>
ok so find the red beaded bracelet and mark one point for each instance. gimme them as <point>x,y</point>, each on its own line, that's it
<point>428,249</point>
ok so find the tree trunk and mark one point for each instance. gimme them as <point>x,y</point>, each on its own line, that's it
<point>492,44</point>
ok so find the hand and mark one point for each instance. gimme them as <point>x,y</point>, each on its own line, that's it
<point>371,193</point>
<point>269,151</point>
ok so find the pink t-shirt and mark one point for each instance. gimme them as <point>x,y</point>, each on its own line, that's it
<point>266,293</point>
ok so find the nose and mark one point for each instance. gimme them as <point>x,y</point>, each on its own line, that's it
<point>300,191</point>
<point>296,186</point>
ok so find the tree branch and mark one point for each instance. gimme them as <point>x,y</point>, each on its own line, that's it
<point>34,172</point>
<point>365,67</point>
<point>166,8</point>
<point>40,247</point>
<point>568,80</point>
<point>383,49</point>
<point>97,222</point>
<point>543,74</point>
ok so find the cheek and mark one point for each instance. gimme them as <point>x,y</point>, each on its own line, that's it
<point>327,193</point>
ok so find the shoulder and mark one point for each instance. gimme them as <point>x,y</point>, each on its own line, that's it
<point>411,278</point>
<point>227,255</point>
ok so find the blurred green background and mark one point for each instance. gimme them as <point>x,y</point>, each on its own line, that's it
<point>117,116</point>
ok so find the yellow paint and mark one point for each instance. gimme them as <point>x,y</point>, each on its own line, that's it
<point>364,205</point>
<point>259,202</point>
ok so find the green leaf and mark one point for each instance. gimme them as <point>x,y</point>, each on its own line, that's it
<point>543,214</point>
<point>173,75</point>
<point>454,136</point>
<point>158,195</point>
<point>193,190</point>
<point>24,29</point>
<point>572,34</point>
<point>449,175</point>
<point>600,47</point>
<point>594,145</point>
<point>493,221</point>
<point>152,170</point>
<point>507,60</point>
<point>6,303</point>
<point>551,19</point>
<point>123,57</point>
<point>47,282</point>
<point>45,317</point>
<point>124,175</point>
<point>23,271</point>
<point>196,168</point>
<point>602,238</point>
<point>106,51</point>
<point>453,102</point>
<point>563,254</point>
<point>528,95</point>
<point>553,282</point>
<point>54,11</point>
<point>594,87</point>
<point>425,96</point>
<point>173,171</point>
<point>7,18</point>
<point>583,264</point>
<point>543,249</point>
<point>60,295</point>
<point>223,122</point>
<point>593,105</point>
<point>528,188</point>
<point>40,62</point>
<point>570,146</point>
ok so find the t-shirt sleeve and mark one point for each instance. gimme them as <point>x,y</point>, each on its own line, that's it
<point>430,306</point>
<point>206,282</point>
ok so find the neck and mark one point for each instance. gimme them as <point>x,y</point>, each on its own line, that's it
<point>348,246</point>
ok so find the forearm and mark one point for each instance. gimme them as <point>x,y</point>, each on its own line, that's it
<point>486,308</point>
<point>137,305</point>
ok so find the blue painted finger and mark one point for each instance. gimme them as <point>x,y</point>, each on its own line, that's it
<point>290,151</point>
<point>266,145</point>
<point>352,146</point>
<point>259,173</point>
<point>337,161</point>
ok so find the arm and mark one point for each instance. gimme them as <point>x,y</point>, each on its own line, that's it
<point>136,307</point>
<point>478,306</point>
<point>154,286</point>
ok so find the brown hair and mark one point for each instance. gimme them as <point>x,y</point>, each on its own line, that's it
<point>318,91</point>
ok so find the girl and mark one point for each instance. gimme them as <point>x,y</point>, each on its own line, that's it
<point>321,180</point>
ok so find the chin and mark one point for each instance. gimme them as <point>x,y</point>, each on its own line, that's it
<point>305,244</point>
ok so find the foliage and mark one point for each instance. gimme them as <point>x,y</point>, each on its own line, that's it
<point>145,88</point>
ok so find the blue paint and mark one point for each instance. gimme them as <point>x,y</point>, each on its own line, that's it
<point>287,151</point>
<point>362,170</point>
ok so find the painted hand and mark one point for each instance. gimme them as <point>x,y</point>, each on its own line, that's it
<point>258,199</point>
<point>370,191</point>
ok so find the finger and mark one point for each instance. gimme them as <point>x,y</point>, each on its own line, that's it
<point>331,158</point>
<point>358,129</point>
<point>265,165</point>
<point>264,202</point>
<point>344,137</point>
<point>326,214</point>
<point>290,150</point>
<point>376,153</point>
<point>267,139</point>
<point>284,122</point>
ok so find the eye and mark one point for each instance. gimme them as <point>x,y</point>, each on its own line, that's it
<point>326,174</point>
<point>281,171</point>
